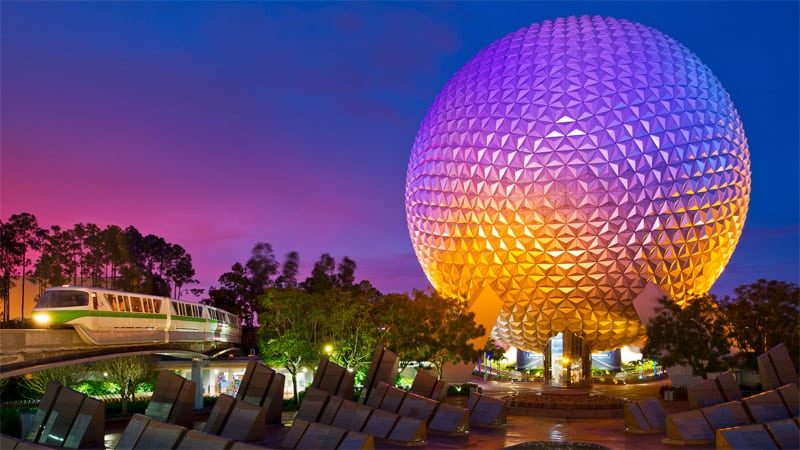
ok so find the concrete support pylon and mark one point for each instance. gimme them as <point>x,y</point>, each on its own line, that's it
<point>197,378</point>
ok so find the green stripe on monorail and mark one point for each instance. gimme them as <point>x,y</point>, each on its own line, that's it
<point>68,315</point>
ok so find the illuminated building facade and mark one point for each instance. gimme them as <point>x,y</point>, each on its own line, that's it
<point>568,165</point>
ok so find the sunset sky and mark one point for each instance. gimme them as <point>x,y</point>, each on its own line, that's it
<point>217,125</point>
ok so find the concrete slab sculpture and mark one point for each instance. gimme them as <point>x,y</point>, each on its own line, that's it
<point>263,386</point>
<point>688,428</point>
<point>790,394</point>
<point>67,419</point>
<point>197,440</point>
<point>486,411</point>
<point>704,393</point>
<point>728,385</point>
<point>644,416</point>
<point>236,420</point>
<point>172,400</point>
<point>383,368</point>
<point>766,407</point>
<point>726,415</point>
<point>746,437</point>
<point>145,433</point>
<point>785,433</point>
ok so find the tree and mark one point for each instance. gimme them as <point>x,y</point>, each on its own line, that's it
<point>232,292</point>
<point>242,286</point>
<point>327,309</point>
<point>494,351</point>
<point>19,234</point>
<point>399,327</point>
<point>350,325</point>
<point>111,258</point>
<point>27,234</point>
<point>262,267</point>
<point>288,276</point>
<point>179,269</point>
<point>134,264</point>
<point>96,255</point>
<point>762,315</point>
<point>322,276</point>
<point>451,332</point>
<point>430,328</point>
<point>56,264</point>
<point>80,233</point>
<point>346,272</point>
<point>694,335</point>
<point>11,254</point>
<point>128,373</point>
<point>116,248</point>
<point>290,330</point>
<point>35,384</point>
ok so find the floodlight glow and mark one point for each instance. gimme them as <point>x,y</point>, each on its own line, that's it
<point>570,163</point>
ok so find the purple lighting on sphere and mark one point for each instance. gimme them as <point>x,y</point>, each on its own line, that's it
<point>567,166</point>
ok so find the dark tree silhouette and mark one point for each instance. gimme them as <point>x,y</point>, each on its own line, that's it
<point>762,315</point>
<point>694,335</point>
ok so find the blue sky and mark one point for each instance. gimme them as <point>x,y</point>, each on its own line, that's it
<point>217,125</point>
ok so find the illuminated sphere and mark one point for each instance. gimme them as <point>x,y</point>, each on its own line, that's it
<point>567,165</point>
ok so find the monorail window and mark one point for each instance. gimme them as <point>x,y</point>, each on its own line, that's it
<point>136,304</point>
<point>147,305</point>
<point>157,305</point>
<point>122,303</point>
<point>63,299</point>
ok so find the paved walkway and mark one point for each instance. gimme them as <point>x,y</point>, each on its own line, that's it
<point>606,432</point>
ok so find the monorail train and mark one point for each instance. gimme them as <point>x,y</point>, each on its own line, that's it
<point>105,317</point>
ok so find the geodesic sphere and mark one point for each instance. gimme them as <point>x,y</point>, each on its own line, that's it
<point>567,165</point>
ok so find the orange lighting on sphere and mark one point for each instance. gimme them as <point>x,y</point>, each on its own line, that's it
<point>569,164</point>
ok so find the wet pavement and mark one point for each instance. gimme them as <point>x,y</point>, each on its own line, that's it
<point>607,432</point>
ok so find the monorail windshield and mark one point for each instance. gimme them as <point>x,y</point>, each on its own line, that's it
<point>63,299</point>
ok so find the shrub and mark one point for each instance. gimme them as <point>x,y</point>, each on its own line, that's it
<point>114,408</point>
<point>10,423</point>
<point>96,388</point>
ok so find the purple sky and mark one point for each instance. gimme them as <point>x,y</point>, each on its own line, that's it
<point>217,125</point>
